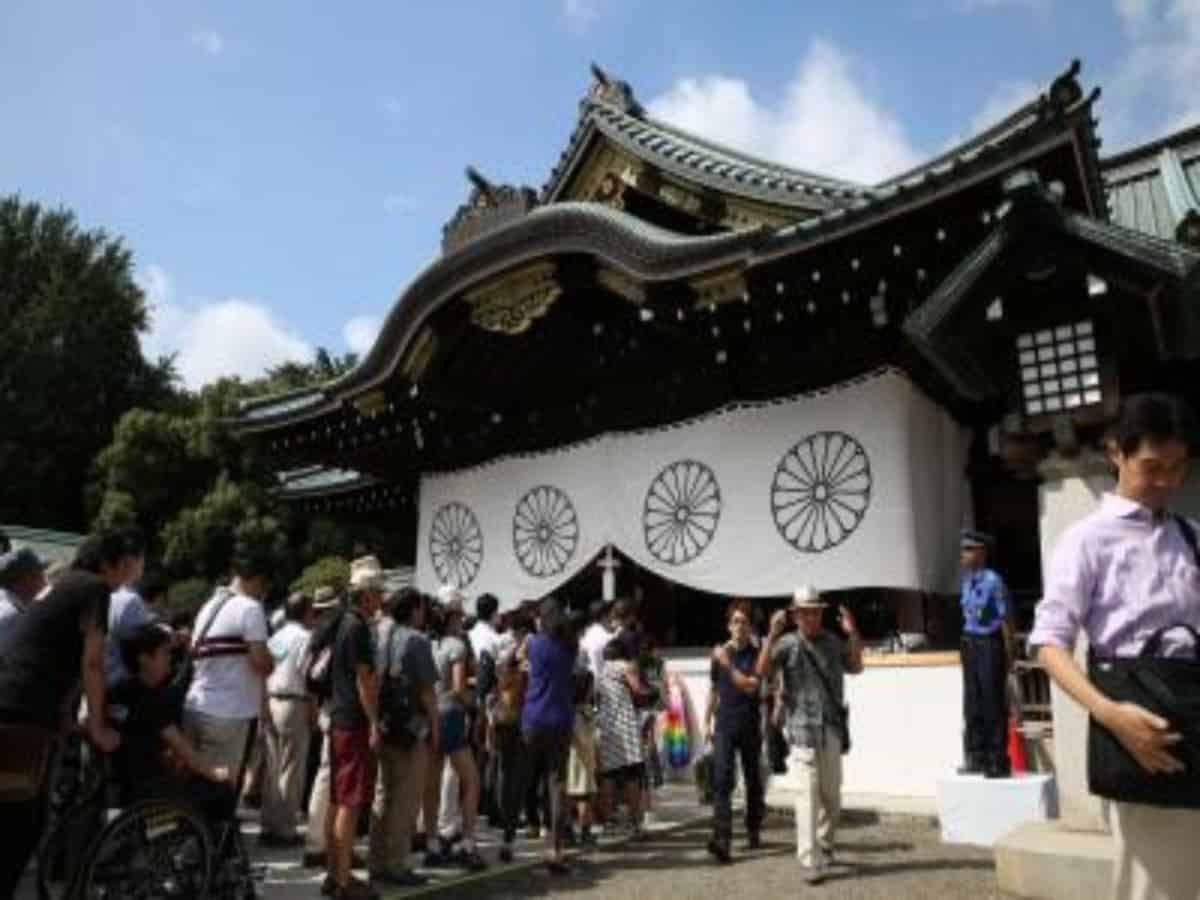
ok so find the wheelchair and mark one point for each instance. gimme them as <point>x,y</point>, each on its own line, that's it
<point>152,849</point>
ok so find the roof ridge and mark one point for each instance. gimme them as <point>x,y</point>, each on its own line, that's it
<point>1064,95</point>
<point>727,149</point>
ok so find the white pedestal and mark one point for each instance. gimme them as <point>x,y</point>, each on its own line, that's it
<point>977,810</point>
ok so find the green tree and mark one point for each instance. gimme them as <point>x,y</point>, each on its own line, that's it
<point>70,360</point>
<point>329,571</point>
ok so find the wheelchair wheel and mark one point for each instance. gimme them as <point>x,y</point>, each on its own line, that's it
<point>151,851</point>
<point>61,852</point>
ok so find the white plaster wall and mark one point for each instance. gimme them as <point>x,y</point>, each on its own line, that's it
<point>906,724</point>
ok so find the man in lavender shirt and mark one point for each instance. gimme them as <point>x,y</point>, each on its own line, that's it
<point>1118,575</point>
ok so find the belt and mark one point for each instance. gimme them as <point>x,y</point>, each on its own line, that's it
<point>981,637</point>
<point>289,696</point>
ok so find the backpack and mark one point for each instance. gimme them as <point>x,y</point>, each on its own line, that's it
<point>317,663</point>
<point>396,708</point>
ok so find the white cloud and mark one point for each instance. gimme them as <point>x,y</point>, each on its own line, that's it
<point>232,336</point>
<point>1154,87</point>
<point>580,14</point>
<point>360,333</point>
<point>398,203</point>
<point>207,41</point>
<point>826,122</point>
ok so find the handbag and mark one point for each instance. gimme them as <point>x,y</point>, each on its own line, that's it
<point>841,710</point>
<point>1167,687</point>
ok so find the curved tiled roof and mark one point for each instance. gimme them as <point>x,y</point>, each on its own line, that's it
<point>643,251</point>
<point>697,160</point>
<point>1155,187</point>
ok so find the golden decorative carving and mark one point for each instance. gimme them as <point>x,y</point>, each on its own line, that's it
<point>370,403</point>
<point>419,355</point>
<point>723,287</point>
<point>621,285</point>
<point>511,304</point>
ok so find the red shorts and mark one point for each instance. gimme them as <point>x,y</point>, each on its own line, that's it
<point>350,766</point>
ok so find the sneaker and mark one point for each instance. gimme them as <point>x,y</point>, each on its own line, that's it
<point>469,860</point>
<point>434,859</point>
<point>506,853</point>
<point>398,878</point>
<point>356,890</point>
<point>719,851</point>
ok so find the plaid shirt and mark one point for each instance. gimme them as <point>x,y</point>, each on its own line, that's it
<point>807,703</point>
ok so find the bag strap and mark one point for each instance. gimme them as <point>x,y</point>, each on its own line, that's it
<point>225,598</point>
<point>1189,535</point>
<point>812,659</point>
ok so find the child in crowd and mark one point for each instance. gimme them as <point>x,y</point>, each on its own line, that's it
<point>581,766</point>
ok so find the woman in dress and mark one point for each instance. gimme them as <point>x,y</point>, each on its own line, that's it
<point>621,762</point>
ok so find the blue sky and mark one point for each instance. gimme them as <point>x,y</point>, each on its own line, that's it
<point>282,170</point>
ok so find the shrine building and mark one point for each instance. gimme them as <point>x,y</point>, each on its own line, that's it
<point>738,377</point>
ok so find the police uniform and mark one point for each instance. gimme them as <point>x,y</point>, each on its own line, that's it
<point>984,601</point>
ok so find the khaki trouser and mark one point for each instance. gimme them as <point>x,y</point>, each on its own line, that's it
<point>287,754</point>
<point>816,773</point>
<point>318,801</point>
<point>399,789</point>
<point>218,742</point>
<point>1156,852</point>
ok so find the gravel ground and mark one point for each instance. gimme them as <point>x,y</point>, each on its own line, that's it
<point>889,857</point>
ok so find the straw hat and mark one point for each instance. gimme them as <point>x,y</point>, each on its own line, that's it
<point>807,597</point>
<point>366,574</point>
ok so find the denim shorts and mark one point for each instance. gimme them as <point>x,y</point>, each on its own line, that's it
<point>452,735</point>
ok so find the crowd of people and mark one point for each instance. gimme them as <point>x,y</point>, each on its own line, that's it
<point>402,716</point>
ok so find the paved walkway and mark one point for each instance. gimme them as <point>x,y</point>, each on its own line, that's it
<point>894,857</point>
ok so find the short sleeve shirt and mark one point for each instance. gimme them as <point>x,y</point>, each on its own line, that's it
<point>127,611</point>
<point>41,654</point>
<point>449,651</point>
<point>224,685</point>
<point>549,695</point>
<point>353,649</point>
<point>809,707</point>
<point>735,708</point>
<point>984,601</point>
<point>287,647</point>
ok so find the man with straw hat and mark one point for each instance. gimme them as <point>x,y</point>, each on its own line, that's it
<point>813,663</point>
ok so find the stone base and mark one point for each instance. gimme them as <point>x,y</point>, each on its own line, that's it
<point>977,810</point>
<point>1045,861</point>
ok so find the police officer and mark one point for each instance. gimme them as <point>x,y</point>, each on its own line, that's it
<point>986,653</point>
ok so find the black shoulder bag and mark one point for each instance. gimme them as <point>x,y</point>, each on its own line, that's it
<point>841,710</point>
<point>1167,687</point>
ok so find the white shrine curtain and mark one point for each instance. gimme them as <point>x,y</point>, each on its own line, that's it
<point>858,485</point>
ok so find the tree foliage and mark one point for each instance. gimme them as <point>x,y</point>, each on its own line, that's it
<point>329,571</point>
<point>70,358</point>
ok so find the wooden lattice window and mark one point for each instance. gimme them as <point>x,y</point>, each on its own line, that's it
<point>1060,368</point>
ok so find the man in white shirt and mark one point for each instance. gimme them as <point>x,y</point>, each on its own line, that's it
<point>231,663</point>
<point>597,637</point>
<point>484,637</point>
<point>22,578</point>
<point>289,728</point>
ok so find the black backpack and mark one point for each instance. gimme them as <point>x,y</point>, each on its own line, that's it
<point>317,664</point>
